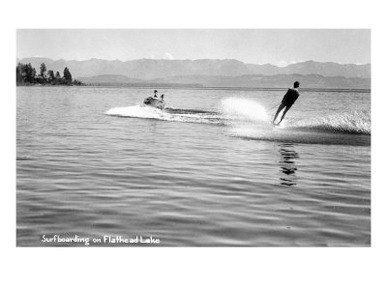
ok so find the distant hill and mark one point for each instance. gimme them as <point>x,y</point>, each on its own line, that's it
<point>246,81</point>
<point>148,69</point>
<point>108,79</point>
<point>273,81</point>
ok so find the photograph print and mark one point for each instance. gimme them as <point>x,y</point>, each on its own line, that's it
<point>193,138</point>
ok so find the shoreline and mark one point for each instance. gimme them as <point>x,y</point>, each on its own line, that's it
<point>158,86</point>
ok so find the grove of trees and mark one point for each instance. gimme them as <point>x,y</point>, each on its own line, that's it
<point>26,75</point>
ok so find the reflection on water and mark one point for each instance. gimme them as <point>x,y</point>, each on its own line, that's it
<point>287,164</point>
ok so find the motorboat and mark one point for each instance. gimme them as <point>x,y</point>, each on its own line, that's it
<point>156,103</point>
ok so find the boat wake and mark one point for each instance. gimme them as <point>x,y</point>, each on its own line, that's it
<point>248,119</point>
<point>168,114</point>
<point>358,122</point>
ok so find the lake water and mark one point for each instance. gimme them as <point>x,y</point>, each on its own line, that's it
<point>210,170</point>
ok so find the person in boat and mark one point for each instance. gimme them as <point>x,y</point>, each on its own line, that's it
<point>161,103</point>
<point>287,102</point>
<point>155,97</point>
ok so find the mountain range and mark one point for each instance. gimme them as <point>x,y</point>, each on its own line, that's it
<point>211,72</point>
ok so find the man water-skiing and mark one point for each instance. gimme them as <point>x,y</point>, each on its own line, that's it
<point>288,100</point>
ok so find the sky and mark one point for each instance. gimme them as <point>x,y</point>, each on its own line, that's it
<point>258,46</point>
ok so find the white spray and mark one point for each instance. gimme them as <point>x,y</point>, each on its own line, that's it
<point>244,109</point>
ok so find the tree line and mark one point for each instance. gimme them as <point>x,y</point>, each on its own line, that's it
<point>26,75</point>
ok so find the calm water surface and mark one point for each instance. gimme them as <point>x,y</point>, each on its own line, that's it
<point>209,171</point>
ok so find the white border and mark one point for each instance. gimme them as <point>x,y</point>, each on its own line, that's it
<point>197,268</point>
